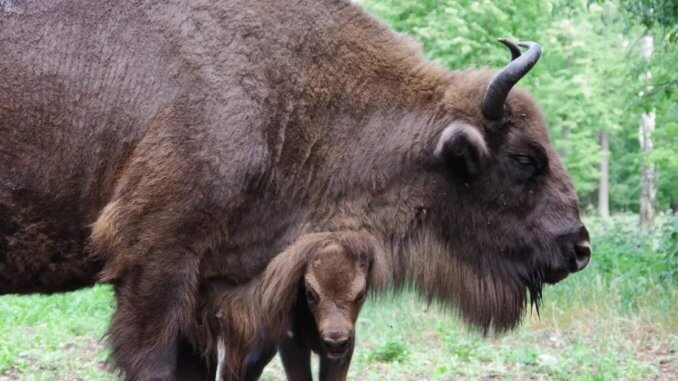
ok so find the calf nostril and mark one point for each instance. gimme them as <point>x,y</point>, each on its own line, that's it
<point>336,345</point>
<point>582,253</point>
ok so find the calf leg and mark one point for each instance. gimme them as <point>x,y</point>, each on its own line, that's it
<point>296,358</point>
<point>257,360</point>
<point>335,370</point>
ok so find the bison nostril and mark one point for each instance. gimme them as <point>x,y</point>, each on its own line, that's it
<point>582,253</point>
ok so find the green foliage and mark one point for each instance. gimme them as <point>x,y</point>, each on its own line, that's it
<point>587,81</point>
<point>389,352</point>
<point>623,251</point>
<point>652,13</point>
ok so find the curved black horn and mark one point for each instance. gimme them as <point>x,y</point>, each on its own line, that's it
<point>515,50</point>
<point>503,81</point>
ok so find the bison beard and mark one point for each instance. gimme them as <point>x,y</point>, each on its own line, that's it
<point>162,145</point>
<point>489,294</point>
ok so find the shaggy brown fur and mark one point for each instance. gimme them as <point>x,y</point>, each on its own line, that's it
<point>335,267</point>
<point>197,139</point>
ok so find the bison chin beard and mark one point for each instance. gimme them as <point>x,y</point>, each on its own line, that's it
<point>489,294</point>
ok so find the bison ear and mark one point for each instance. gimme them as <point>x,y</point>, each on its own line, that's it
<point>462,149</point>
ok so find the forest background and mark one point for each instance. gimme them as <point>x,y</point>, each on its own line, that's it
<point>592,82</point>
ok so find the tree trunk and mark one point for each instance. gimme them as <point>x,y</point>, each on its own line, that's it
<point>648,190</point>
<point>648,187</point>
<point>604,184</point>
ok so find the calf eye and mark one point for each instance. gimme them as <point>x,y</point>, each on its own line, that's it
<point>311,296</point>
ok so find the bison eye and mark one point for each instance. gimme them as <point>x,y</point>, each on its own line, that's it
<point>527,166</point>
<point>523,159</point>
<point>311,296</point>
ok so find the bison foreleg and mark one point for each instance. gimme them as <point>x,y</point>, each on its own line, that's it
<point>171,204</point>
<point>155,303</point>
<point>154,271</point>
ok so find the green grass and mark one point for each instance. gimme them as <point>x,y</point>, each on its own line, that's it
<point>55,337</point>
<point>615,320</point>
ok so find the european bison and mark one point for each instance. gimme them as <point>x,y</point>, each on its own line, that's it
<point>314,290</point>
<point>159,144</point>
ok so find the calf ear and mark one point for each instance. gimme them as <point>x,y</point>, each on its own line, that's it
<point>462,149</point>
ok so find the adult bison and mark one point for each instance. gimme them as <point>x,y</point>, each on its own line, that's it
<point>160,144</point>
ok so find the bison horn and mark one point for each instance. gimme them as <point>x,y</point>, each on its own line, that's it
<point>503,81</point>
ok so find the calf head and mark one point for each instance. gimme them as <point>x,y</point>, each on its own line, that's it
<point>335,284</point>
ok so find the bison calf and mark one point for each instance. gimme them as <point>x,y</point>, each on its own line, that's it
<point>313,291</point>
